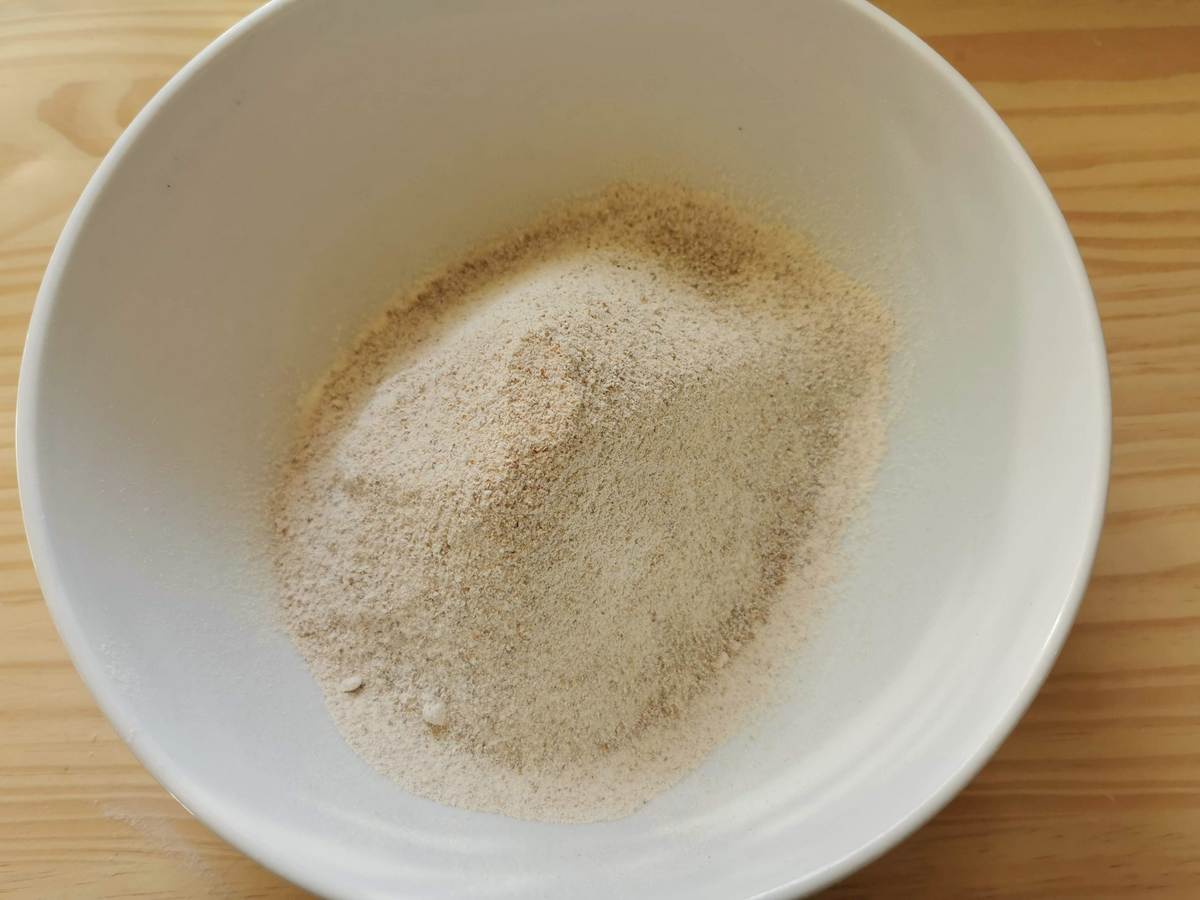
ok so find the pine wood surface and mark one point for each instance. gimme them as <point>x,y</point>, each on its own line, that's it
<point>1097,792</point>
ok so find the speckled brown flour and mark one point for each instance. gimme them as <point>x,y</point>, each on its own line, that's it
<point>563,509</point>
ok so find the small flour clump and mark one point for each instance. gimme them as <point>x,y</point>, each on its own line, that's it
<point>554,521</point>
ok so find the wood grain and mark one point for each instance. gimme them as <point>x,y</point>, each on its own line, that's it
<point>1096,794</point>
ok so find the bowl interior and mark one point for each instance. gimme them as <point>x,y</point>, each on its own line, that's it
<point>276,195</point>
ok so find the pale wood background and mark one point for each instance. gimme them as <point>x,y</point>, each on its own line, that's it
<point>1096,794</point>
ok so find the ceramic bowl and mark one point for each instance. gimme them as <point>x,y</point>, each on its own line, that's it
<point>319,156</point>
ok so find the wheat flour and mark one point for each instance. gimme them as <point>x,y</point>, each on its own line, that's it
<point>555,520</point>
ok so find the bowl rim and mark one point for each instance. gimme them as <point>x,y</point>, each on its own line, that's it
<point>225,823</point>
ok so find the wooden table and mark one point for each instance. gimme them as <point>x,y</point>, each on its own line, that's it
<point>1096,794</point>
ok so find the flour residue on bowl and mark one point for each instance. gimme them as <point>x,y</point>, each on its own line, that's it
<point>557,519</point>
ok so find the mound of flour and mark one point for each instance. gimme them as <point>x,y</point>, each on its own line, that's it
<point>555,519</point>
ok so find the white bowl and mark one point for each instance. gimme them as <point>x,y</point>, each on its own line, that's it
<point>318,156</point>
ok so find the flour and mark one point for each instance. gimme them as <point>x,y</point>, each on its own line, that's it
<point>560,515</point>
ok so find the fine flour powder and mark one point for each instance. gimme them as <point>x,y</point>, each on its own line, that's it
<point>556,524</point>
